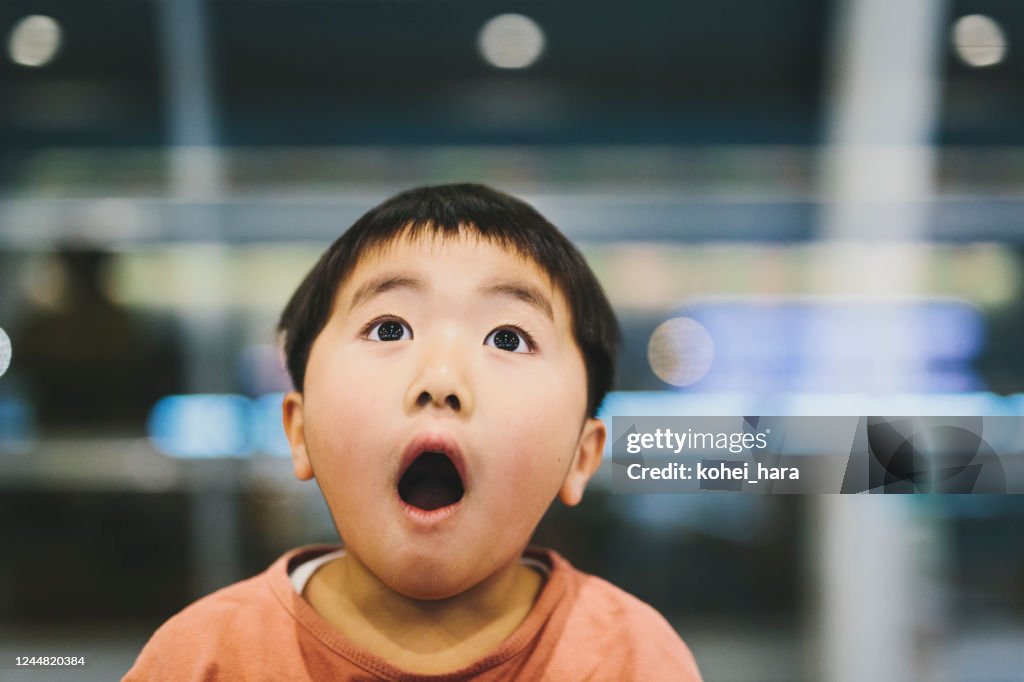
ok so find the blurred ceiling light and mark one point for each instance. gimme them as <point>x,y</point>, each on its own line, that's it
<point>34,41</point>
<point>979,41</point>
<point>511,41</point>
<point>680,351</point>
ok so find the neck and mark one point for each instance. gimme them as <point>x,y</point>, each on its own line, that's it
<point>419,635</point>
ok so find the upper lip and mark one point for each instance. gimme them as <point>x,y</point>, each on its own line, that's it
<point>433,442</point>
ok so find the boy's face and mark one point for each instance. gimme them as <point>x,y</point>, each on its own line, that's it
<point>425,351</point>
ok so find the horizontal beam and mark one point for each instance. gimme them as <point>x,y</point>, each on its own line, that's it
<point>41,224</point>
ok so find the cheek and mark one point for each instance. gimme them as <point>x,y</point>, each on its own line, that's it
<point>348,393</point>
<point>345,413</point>
<point>550,406</point>
<point>537,444</point>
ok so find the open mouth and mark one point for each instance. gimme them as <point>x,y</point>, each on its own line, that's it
<point>431,482</point>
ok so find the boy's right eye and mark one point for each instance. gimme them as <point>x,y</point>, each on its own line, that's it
<point>388,330</point>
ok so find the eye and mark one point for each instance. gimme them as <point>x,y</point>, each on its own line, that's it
<point>388,330</point>
<point>510,339</point>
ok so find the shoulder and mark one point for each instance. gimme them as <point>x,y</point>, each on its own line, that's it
<point>219,612</point>
<point>193,642</point>
<point>621,634</point>
<point>244,626</point>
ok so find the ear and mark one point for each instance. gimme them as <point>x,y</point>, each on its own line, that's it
<point>294,429</point>
<point>589,453</point>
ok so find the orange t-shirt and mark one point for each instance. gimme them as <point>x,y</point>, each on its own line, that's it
<point>580,628</point>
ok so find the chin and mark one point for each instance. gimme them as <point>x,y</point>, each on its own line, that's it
<point>428,576</point>
<point>428,586</point>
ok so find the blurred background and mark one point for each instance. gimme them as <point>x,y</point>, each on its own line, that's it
<point>796,207</point>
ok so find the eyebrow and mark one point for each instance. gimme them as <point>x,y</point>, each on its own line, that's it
<point>518,291</point>
<point>521,292</point>
<point>383,284</point>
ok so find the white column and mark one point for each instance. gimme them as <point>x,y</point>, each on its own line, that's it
<point>877,179</point>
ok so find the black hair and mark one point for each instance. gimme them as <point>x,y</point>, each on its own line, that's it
<point>447,210</point>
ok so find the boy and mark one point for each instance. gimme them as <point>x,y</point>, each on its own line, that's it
<point>449,353</point>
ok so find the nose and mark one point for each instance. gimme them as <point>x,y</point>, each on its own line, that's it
<point>441,381</point>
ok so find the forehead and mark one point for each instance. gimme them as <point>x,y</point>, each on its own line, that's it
<point>458,261</point>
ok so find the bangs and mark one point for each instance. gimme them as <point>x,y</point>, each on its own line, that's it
<point>431,234</point>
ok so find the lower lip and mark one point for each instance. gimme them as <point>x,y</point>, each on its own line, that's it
<point>429,517</point>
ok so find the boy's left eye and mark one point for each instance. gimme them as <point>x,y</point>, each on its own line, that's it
<point>508,339</point>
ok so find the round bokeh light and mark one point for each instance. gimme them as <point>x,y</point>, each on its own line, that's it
<point>979,41</point>
<point>680,351</point>
<point>511,41</point>
<point>5,351</point>
<point>34,41</point>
